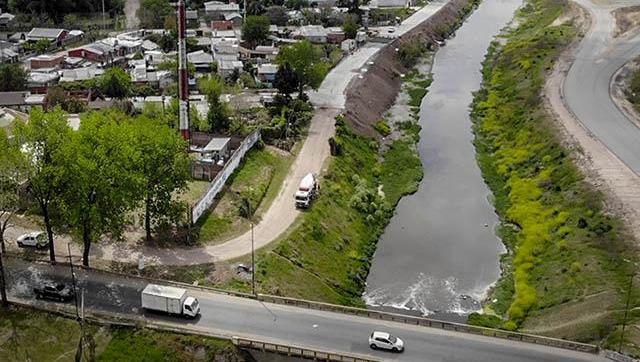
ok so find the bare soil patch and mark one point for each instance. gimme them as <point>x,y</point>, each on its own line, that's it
<point>627,20</point>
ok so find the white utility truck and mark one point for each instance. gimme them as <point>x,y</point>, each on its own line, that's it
<point>307,191</point>
<point>170,300</point>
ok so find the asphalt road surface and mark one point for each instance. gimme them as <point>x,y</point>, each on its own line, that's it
<point>227,315</point>
<point>586,88</point>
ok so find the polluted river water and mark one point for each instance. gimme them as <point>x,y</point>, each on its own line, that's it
<point>440,254</point>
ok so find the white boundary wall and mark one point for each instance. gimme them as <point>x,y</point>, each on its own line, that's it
<point>221,178</point>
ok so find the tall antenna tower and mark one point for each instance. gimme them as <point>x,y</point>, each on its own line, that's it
<point>183,73</point>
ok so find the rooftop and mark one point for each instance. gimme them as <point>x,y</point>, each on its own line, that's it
<point>216,144</point>
<point>220,6</point>
<point>45,33</point>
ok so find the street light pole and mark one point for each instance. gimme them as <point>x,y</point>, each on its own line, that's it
<point>253,254</point>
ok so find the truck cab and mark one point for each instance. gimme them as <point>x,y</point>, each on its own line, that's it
<point>191,307</point>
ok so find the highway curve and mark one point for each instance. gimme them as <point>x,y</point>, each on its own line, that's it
<point>586,87</point>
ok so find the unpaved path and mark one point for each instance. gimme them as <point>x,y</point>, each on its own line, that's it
<point>130,11</point>
<point>329,100</point>
<point>604,168</point>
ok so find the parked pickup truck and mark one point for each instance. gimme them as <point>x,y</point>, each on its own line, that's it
<point>307,191</point>
<point>169,300</point>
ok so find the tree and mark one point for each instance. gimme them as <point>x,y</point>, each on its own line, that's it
<point>297,4</point>
<point>44,136</point>
<point>218,115</point>
<point>286,80</point>
<point>12,78</point>
<point>104,183</point>
<point>115,83</point>
<point>164,165</point>
<point>277,15</point>
<point>152,13</point>
<point>56,96</point>
<point>255,30</point>
<point>350,27</point>
<point>305,62</point>
<point>11,176</point>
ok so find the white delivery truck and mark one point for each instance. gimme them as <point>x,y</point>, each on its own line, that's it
<point>307,191</point>
<point>170,300</point>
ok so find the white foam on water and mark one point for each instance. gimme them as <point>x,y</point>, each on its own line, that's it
<point>427,295</point>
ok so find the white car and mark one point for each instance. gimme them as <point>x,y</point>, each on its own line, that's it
<point>384,340</point>
<point>35,240</point>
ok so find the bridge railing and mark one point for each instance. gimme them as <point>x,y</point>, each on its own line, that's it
<point>433,323</point>
<point>298,351</point>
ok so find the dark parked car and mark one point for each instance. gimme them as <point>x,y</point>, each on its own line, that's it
<point>54,291</point>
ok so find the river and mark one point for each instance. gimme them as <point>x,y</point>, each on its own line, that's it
<point>440,254</point>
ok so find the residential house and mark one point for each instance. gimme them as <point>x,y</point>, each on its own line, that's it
<point>228,67</point>
<point>201,60</point>
<point>18,37</point>
<point>221,25</point>
<point>216,10</point>
<point>192,18</point>
<point>72,75</point>
<point>234,18</point>
<point>373,4</point>
<point>335,35</point>
<point>225,48</point>
<point>97,52</point>
<point>13,99</point>
<point>6,20</point>
<point>8,55</point>
<point>55,36</point>
<point>267,73</point>
<point>149,45</point>
<point>46,61</point>
<point>313,33</point>
<point>39,81</point>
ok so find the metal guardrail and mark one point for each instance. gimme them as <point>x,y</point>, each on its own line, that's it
<point>433,323</point>
<point>299,351</point>
<point>366,313</point>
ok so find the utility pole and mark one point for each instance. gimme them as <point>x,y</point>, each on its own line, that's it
<point>626,312</point>
<point>253,253</point>
<point>3,283</point>
<point>104,22</point>
<point>183,72</point>
<point>73,281</point>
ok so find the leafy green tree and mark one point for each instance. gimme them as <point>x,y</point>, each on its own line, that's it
<point>115,83</point>
<point>104,182</point>
<point>44,136</point>
<point>218,115</point>
<point>286,80</point>
<point>277,15</point>
<point>350,27</point>
<point>255,30</point>
<point>12,78</point>
<point>306,62</point>
<point>11,176</point>
<point>164,165</point>
<point>152,13</point>
<point>297,4</point>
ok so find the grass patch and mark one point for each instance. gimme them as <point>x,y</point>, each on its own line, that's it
<point>258,178</point>
<point>30,335</point>
<point>327,255</point>
<point>401,170</point>
<point>562,247</point>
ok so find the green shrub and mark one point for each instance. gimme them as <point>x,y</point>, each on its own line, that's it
<point>382,127</point>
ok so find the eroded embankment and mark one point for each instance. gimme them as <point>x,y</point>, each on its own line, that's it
<point>369,97</point>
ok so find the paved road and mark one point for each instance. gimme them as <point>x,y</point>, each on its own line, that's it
<point>329,100</point>
<point>241,317</point>
<point>586,88</point>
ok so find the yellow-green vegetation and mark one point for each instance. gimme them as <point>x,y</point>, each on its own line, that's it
<point>257,179</point>
<point>326,256</point>
<point>417,84</point>
<point>30,335</point>
<point>563,249</point>
<point>382,127</point>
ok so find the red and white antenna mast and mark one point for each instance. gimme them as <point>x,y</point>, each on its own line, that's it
<point>183,73</point>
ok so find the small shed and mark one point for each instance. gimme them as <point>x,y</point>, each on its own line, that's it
<point>216,148</point>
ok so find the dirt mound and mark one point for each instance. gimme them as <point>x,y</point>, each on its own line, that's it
<point>373,94</point>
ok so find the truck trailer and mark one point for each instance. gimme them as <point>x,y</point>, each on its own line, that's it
<point>169,300</point>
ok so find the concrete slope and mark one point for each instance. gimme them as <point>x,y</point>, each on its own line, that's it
<point>233,316</point>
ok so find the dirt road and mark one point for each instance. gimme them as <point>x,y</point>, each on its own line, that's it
<point>329,100</point>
